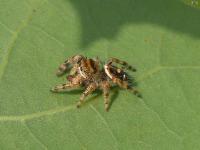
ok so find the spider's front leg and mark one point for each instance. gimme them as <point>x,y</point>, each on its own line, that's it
<point>106,89</point>
<point>90,88</point>
<point>124,64</point>
<point>74,83</point>
<point>135,91</point>
<point>125,85</point>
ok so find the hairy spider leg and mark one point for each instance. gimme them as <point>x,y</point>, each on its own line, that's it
<point>90,88</point>
<point>124,64</point>
<point>62,69</point>
<point>66,65</point>
<point>135,91</point>
<point>125,85</point>
<point>106,89</point>
<point>74,83</point>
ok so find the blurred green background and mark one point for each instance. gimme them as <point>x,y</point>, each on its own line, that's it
<point>160,38</point>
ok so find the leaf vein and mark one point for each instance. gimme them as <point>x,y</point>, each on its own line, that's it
<point>14,38</point>
<point>163,122</point>
<point>6,27</point>
<point>35,137</point>
<point>75,135</point>
<point>106,124</point>
<point>36,115</point>
<point>49,35</point>
<point>70,107</point>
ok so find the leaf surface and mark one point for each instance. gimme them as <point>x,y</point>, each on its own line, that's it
<point>161,39</point>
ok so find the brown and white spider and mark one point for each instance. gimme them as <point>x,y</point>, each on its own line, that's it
<point>89,74</point>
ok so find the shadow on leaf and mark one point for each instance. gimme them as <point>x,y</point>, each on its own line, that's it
<point>114,93</point>
<point>103,18</point>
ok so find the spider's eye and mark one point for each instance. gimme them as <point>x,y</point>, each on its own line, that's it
<point>124,76</point>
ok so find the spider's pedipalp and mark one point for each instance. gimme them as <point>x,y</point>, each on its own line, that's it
<point>121,83</point>
<point>107,71</point>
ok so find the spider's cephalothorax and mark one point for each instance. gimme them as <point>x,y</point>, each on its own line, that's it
<point>89,74</point>
<point>118,75</point>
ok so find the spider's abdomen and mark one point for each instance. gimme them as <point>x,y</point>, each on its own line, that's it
<point>88,67</point>
<point>92,65</point>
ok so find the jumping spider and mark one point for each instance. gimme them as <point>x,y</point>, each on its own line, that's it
<point>89,74</point>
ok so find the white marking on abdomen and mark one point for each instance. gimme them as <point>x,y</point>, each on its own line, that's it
<point>107,72</point>
<point>81,72</point>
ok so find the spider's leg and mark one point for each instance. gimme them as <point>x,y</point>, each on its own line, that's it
<point>63,68</point>
<point>92,87</point>
<point>62,87</point>
<point>120,83</point>
<point>135,91</point>
<point>74,69</point>
<point>106,89</point>
<point>66,65</point>
<point>124,64</point>
<point>74,83</point>
<point>125,85</point>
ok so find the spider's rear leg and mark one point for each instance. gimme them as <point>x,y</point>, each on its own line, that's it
<point>62,68</point>
<point>124,64</point>
<point>74,83</point>
<point>90,88</point>
<point>70,61</point>
<point>62,87</point>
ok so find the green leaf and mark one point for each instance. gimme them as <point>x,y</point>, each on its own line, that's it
<point>160,38</point>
